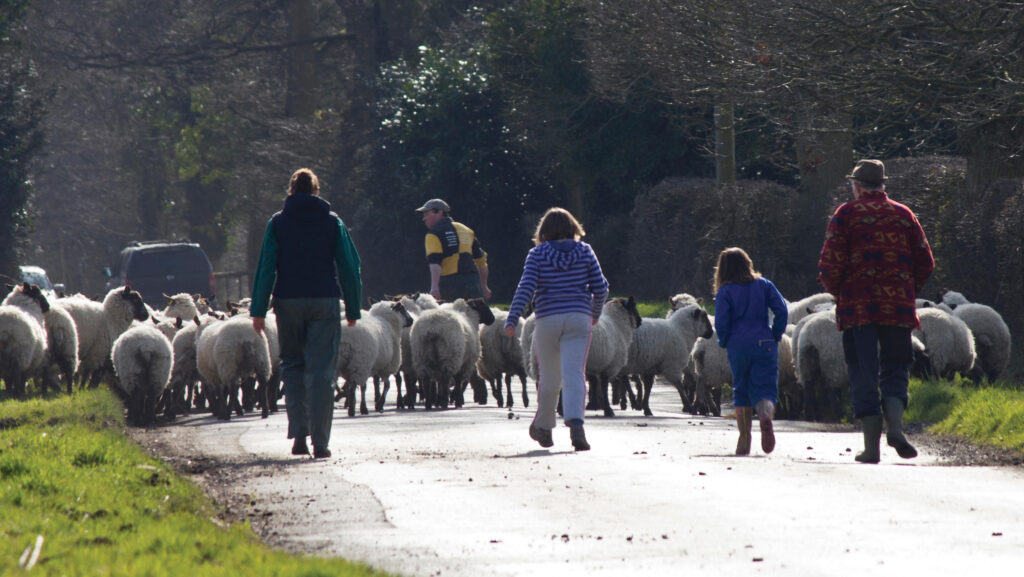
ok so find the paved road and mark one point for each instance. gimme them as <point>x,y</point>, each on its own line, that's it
<point>467,493</point>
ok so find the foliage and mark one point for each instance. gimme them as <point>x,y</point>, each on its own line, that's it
<point>678,228</point>
<point>68,473</point>
<point>21,112</point>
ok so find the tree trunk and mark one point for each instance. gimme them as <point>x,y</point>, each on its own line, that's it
<point>725,145</point>
<point>301,99</point>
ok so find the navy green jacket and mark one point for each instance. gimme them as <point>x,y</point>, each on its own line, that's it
<point>306,250</point>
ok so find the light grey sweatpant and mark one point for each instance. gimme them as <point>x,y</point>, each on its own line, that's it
<point>561,343</point>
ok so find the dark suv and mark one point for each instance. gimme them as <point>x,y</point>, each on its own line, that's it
<point>156,268</point>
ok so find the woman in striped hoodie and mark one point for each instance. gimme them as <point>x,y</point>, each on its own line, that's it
<point>564,280</point>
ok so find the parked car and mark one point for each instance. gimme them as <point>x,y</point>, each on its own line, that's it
<point>37,276</point>
<point>158,268</point>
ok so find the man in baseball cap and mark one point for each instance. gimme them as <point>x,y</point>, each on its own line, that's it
<point>457,262</point>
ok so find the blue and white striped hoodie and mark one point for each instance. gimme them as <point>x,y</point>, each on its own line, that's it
<point>560,276</point>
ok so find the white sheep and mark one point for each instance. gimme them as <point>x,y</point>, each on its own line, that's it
<point>526,344</point>
<point>227,353</point>
<point>991,335</point>
<point>805,306</point>
<point>661,347</point>
<point>445,348</point>
<point>609,349</point>
<point>180,306</point>
<point>249,395</point>
<point>791,393</point>
<point>991,339</point>
<point>372,349</point>
<point>184,373</point>
<point>820,365</point>
<point>142,358</point>
<point>99,324</point>
<point>62,342</point>
<point>414,304</point>
<point>23,346</point>
<point>705,373</point>
<point>948,341</point>
<point>502,356</point>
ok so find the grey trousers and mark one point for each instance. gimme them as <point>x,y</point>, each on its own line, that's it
<point>309,330</point>
<point>561,343</point>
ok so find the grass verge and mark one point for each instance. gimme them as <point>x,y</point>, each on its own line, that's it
<point>69,474</point>
<point>992,415</point>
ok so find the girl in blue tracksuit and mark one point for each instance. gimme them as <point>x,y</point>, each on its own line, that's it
<point>743,299</point>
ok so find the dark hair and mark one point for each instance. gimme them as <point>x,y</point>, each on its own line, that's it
<point>303,182</point>
<point>557,224</point>
<point>734,266</point>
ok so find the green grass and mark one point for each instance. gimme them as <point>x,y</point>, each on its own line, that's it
<point>103,507</point>
<point>991,415</point>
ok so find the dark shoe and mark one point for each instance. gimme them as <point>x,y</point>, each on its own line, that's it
<point>542,436</point>
<point>299,447</point>
<point>578,438</point>
<point>321,452</point>
<point>872,427</point>
<point>892,408</point>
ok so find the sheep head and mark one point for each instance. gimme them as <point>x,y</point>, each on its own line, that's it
<point>399,308</point>
<point>35,293</point>
<point>482,310</point>
<point>139,311</point>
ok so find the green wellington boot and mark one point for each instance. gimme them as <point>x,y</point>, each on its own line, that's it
<point>872,427</point>
<point>892,408</point>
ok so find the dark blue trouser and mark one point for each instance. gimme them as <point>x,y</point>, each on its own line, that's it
<point>309,330</point>
<point>755,373</point>
<point>878,357</point>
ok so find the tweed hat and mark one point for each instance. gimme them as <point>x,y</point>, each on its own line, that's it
<point>434,204</point>
<point>869,171</point>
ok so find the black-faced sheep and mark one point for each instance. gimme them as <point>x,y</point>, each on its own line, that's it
<point>502,356</point>
<point>142,358</point>
<point>446,347</point>
<point>414,304</point>
<point>372,349</point>
<point>661,347</point>
<point>610,339</point>
<point>820,365</point>
<point>23,345</point>
<point>227,353</point>
<point>991,335</point>
<point>948,341</point>
<point>99,324</point>
<point>62,342</point>
<point>805,306</point>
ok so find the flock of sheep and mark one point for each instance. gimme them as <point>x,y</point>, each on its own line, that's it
<point>188,356</point>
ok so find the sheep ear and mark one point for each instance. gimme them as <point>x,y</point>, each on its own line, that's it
<point>197,321</point>
<point>127,290</point>
<point>700,300</point>
<point>371,300</point>
<point>155,322</point>
<point>178,323</point>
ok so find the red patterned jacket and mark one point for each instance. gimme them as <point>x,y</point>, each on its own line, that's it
<point>874,262</point>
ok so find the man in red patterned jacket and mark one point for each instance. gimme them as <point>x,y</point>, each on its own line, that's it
<point>874,262</point>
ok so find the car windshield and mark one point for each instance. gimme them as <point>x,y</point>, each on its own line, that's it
<point>37,278</point>
<point>159,261</point>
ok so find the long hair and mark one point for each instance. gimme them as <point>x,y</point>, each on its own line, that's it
<point>557,224</point>
<point>304,182</point>
<point>734,266</point>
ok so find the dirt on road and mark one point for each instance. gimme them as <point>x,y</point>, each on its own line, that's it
<point>465,492</point>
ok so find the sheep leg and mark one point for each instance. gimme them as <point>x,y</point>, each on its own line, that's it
<point>497,391</point>
<point>249,393</point>
<point>603,393</point>
<point>350,397</point>
<point>479,389</point>
<point>508,389</point>
<point>149,402</point>
<point>383,394</point>
<point>362,399</point>
<point>647,382</point>
<point>410,392</point>
<point>263,397</point>
<point>399,399</point>
<point>526,395</point>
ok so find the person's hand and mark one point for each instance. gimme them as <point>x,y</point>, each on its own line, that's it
<point>258,324</point>
<point>435,292</point>
<point>510,331</point>
<point>350,322</point>
<point>487,293</point>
